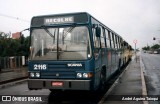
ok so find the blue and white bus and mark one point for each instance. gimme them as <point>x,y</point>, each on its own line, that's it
<point>73,52</point>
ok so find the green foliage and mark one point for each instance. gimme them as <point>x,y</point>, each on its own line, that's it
<point>156,46</point>
<point>146,48</point>
<point>13,47</point>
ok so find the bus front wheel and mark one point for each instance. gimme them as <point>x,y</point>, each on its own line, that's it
<point>102,81</point>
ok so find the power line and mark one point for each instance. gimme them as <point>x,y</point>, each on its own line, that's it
<point>12,17</point>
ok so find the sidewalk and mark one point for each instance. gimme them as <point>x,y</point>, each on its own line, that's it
<point>128,87</point>
<point>12,75</point>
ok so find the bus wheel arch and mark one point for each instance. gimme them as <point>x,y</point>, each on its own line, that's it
<point>102,79</point>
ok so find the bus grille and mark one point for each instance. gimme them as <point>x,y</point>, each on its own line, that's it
<point>58,75</point>
<point>63,66</point>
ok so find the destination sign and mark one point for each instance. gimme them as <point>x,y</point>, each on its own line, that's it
<point>58,20</point>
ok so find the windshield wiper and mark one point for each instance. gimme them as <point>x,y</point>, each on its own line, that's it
<point>44,27</point>
<point>69,30</point>
<point>53,36</point>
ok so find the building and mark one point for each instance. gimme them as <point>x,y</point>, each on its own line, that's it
<point>16,35</point>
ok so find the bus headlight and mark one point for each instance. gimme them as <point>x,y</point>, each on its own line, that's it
<point>85,75</point>
<point>38,75</point>
<point>31,74</point>
<point>79,75</point>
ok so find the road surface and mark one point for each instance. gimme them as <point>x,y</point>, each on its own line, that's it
<point>152,73</point>
<point>21,90</point>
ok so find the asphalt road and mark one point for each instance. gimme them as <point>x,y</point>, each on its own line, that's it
<point>152,73</point>
<point>22,91</point>
<point>74,97</point>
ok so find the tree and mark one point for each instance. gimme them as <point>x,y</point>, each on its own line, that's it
<point>156,46</point>
<point>24,46</point>
<point>146,48</point>
<point>3,43</point>
<point>13,47</point>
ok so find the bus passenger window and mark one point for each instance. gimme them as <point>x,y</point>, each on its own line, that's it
<point>107,39</point>
<point>103,38</point>
<point>96,40</point>
<point>112,40</point>
<point>116,45</point>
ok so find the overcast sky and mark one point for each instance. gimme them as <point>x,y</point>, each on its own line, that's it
<point>132,19</point>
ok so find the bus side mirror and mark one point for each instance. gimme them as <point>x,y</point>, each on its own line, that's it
<point>98,31</point>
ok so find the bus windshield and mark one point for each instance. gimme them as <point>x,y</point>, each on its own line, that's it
<point>68,43</point>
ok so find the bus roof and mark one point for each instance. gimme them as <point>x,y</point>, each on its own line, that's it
<point>65,19</point>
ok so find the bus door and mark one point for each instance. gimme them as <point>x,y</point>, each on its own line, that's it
<point>98,57</point>
<point>103,53</point>
<point>104,40</point>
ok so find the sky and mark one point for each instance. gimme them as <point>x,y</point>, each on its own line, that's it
<point>132,19</point>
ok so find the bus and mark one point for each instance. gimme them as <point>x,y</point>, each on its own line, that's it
<point>73,51</point>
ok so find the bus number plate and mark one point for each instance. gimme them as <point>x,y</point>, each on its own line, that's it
<point>57,84</point>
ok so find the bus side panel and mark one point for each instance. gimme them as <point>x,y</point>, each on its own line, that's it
<point>109,60</point>
<point>113,62</point>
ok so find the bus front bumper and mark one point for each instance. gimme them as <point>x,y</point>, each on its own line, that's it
<point>59,84</point>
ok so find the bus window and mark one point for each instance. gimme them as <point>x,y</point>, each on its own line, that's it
<point>107,39</point>
<point>102,38</point>
<point>60,43</point>
<point>119,42</point>
<point>96,43</point>
<point>116,43</point>
<point>112,40</point>
<point>96,39</point>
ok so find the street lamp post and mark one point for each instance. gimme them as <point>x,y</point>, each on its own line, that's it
<point>135,42</point>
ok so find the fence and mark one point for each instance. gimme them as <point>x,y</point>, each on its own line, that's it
<point>12,62</point>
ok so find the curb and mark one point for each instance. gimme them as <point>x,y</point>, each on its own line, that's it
<point>112,87</point>
<point>24,79</point>
<point>144,89</point>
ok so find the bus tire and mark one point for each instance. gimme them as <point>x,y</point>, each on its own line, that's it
<point>102,80</point>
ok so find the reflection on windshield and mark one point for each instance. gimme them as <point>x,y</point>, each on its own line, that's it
<point>69,43</point>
